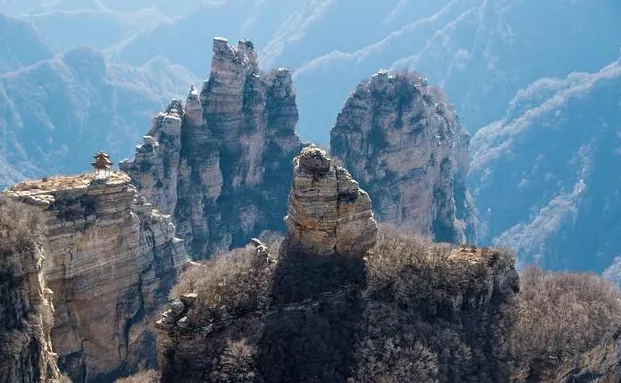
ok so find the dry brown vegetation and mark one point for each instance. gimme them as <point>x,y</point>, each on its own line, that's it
<point>419,310</point>
<point>557,317</point>
<point>431,313</point>
<point>19,226</point>
<point>411,268</point>
<point>146,376</point>
<point>234,283</point>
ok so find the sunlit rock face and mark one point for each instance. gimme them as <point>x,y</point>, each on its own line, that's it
<point>328,213</point>
<point>404,143</point>
<point>221,163</point>
<point>111,261</point>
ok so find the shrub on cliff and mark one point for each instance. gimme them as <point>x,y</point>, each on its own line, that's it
<point>411,310</point>
<point>557,317</point>
<point>146,376</point>
<point>230,284</point>
<point>435,314</point>
<point>19,226</point>
<point>411,269</point>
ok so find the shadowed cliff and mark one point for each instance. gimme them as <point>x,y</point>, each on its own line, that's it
<point>26,309</point>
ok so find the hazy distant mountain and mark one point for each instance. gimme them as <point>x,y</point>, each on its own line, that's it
<point>26,7</point>
<point>56,113</point>
<point>187,41</point>
<point>97,28</point>
<point>99,23</point>
<point>546,178</point>
<point>481,51</point>
<point>20,45</point>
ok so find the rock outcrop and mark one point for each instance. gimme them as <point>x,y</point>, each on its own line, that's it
<point>337,304</point>
<point>327,212</point>
<point>112,259</point>
<point>26,309</point>
<point>405,145</point>
<point>221,163</point>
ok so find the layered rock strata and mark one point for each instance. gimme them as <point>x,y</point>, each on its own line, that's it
<point>404,143</point>
<point>112,259</point>
<point>221,163</point>
<point>26,310</point>
<point>328,213</point>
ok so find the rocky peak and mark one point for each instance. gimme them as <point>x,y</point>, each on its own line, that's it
<point>225,162</point>
<point>111,261</point>
<point>327,212</point>
<point>404,143</point>
<point>226,57</point>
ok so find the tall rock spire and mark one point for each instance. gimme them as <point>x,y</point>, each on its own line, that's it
<point>233,159</point>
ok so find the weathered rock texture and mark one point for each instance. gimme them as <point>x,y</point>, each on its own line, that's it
<point>405,145</point>
<point>25,303</point>
<point>400,309</point>
<point>327,212</point>
<point>112,259</point>
<point>221,164</point>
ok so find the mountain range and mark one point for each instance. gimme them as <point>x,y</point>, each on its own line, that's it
<point>499,61</point>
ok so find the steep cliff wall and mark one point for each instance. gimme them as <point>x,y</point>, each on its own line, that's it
<point>25,303</point>
<point>299,311</point>
<point>404,143</point>
<point>221,163</point>
<point>111,261</point>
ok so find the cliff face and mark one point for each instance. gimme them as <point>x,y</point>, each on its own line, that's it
<point>112,259</point>
<point>404,143</point>
<point>26,309</point>
<point>221,163</point>
<point>389,308</point>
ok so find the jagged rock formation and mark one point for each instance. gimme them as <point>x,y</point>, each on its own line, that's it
<point>327,212</point>
<point>398,310</point>
<point>404,143</point>
<point>221,164</point>
<point>26,309</point>
<point>112,259</point>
